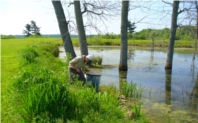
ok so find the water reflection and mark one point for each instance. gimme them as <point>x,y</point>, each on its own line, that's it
<point>168,75</point>
<point>194,96</point>
<point>122,78</point>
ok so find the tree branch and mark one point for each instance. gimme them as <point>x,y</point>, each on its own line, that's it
<point>185,9</point>
<point>167,2</point>
<point>70,4</point>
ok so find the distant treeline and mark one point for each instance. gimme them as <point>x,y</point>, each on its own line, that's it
<point>43,35</point>
<point>183,33</point>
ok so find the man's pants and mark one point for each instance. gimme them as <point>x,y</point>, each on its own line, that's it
<point>73,74</point>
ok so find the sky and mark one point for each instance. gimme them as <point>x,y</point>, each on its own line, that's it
<point>15,14</point>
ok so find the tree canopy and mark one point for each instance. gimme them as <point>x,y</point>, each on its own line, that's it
<point>32,29</point>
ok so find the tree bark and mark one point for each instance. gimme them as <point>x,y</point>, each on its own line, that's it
<point>80,27</point>
<point>195,50</point>
<point>123,66</point>
<point>63,27</point>
<point>175,13</point>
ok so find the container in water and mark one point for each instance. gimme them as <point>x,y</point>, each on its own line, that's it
<point>94,79</point>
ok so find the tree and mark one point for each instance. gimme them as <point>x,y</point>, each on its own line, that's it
<point>123,66</point>
<point>96,12</point>
<point>80,27</point>
<point>27,32</point>
<point>196,42</point>
<point>175,13</point>
<point>35,29</point>
<point>31,29</point>
<point>131,27</point>
<point>63,27</point>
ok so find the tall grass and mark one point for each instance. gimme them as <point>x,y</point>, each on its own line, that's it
<point>131,90</point>
<point>39,89</point>
<point>42,94</point>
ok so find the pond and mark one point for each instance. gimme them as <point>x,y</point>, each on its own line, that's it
<point>167,93</point>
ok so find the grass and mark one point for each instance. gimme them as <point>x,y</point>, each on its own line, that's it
<point>9,67</point>
<point>35,88</point>
<point>142,43</point>
<point>34,85</point>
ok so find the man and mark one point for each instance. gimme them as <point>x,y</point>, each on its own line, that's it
<point>77,65</point>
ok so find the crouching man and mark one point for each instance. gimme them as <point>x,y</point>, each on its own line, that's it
<point>77,66</point>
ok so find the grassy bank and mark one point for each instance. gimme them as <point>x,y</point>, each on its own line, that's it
<point>10,49</point>
<point>141,43</point>
<point>34,88</point>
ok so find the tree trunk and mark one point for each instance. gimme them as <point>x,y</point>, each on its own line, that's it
<point>169,59</point>
<point>124,43</point>
<point>195,50</point>
<point>80,27</point>
<point>63,26</point>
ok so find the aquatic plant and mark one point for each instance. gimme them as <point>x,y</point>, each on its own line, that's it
<point>97,60</point>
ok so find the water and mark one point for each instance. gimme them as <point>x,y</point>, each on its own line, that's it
<point>167,93</point>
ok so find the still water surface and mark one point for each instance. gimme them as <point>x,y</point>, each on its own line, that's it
<point>167,93</point>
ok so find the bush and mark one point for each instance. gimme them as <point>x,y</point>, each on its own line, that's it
<point>28,55</point>
<point>7,37</point>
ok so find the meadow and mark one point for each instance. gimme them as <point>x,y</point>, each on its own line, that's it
<point>35,88</point>
<point>34,85</point>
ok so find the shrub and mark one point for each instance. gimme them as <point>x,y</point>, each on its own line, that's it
<point>28,55</point>
<point>7,36</point>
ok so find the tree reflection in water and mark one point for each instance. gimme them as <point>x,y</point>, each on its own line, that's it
<point>194,96</point>
<point>168,76</point>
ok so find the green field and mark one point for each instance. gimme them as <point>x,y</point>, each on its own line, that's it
<point>9,67</point>
<point>34,88</point>
<point>29,65</point>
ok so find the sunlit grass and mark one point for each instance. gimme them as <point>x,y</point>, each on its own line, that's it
<point>35,88</point>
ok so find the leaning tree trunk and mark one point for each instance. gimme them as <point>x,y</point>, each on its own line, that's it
<point>124,43</point>
<point>63,26</point>
<point>169,59</point>
<point>80,27</point>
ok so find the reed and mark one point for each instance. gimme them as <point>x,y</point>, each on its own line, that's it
<point>136,108</point>
<point>131,90</point>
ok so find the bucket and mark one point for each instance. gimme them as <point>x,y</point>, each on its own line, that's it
<point>94,79</point>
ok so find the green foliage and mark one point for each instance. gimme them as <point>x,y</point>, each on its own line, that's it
<point>186,33</point>
<point>32,29</point>
<point>40,92</point>
<point>28,55</point>
<point>131,90</point>
<point>131,27</point>
<point>97,60</point>
<point>183,33</point>
<point>109,36</point>
<point>137,110</point>
<point>7,37</point>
